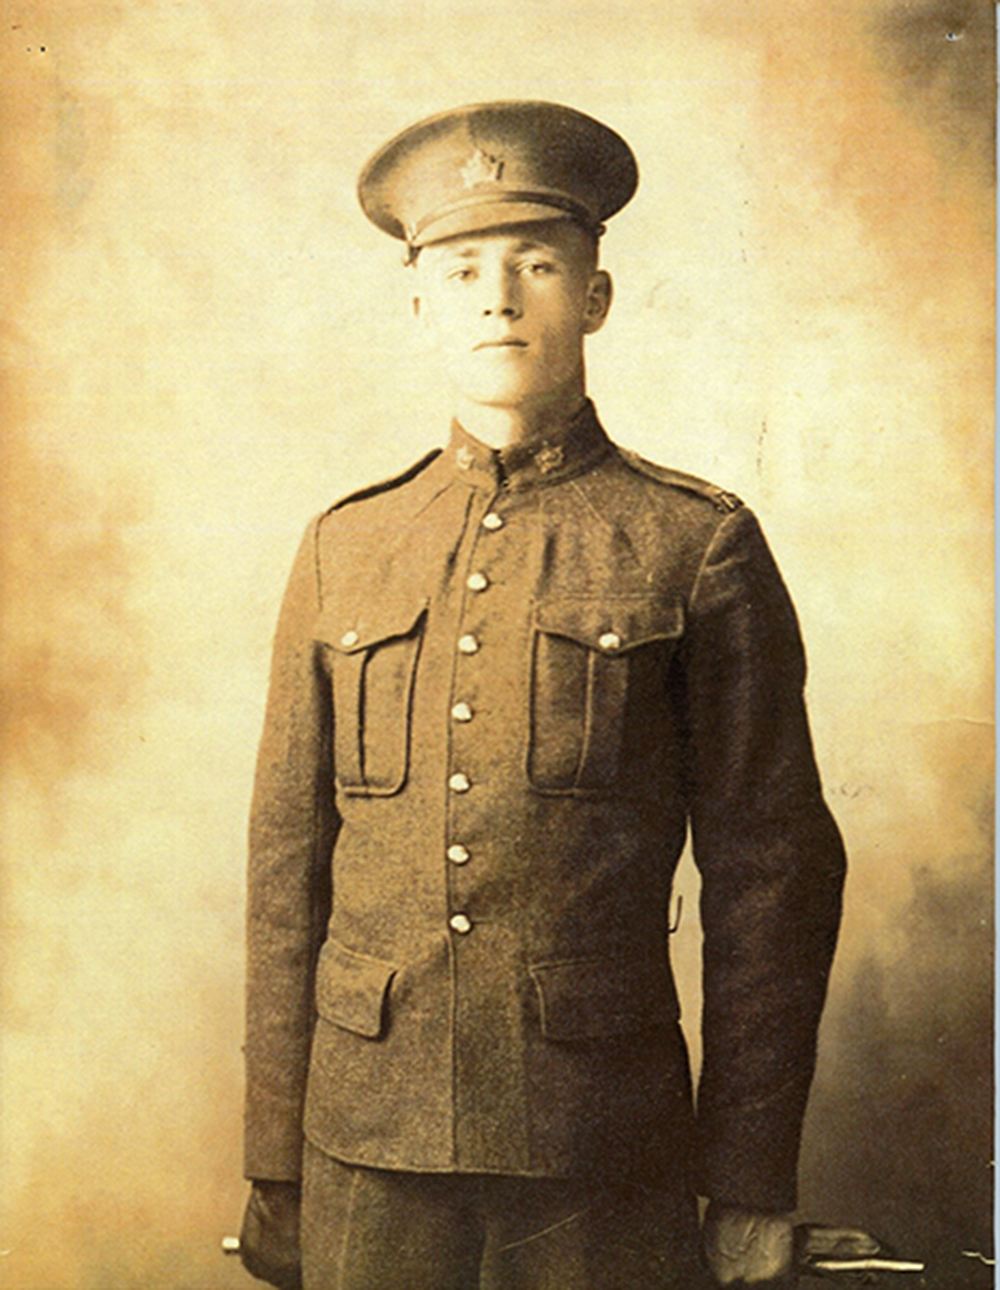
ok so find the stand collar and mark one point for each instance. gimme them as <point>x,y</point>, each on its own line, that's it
<point>557,456</point>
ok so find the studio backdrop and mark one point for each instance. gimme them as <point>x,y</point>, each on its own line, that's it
<point>205,343</point>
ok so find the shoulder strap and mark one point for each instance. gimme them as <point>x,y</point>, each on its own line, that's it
<point>720,499</point>
<point>386,485</point>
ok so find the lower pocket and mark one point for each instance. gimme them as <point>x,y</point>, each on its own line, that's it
<point>352,990</point>
<point>582,999</point>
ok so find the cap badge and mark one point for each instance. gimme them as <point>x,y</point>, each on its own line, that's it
<point>481,168</point>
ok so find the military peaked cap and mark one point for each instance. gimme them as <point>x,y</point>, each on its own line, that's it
<point>488,165</point>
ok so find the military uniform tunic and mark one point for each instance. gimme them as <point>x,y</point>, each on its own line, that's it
<point>503,685</point>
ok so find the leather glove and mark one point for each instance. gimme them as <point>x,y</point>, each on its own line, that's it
<point>269,1240</point>
<point>744,1247</point>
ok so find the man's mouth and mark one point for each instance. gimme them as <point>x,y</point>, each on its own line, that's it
<point>508,342</point>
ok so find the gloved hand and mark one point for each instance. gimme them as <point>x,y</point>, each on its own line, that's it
<point>748,1248</point>
<point>269,1240</point>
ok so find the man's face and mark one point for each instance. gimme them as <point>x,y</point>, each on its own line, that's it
<point>508,310</point>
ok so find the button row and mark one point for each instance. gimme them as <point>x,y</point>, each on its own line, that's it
<point>459,782</point>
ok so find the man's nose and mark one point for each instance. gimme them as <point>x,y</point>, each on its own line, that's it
<point>503,299</point>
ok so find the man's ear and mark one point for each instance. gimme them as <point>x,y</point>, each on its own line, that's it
<point>598,302</point>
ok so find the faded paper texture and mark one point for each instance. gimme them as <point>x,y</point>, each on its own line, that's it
<point>204,343</point>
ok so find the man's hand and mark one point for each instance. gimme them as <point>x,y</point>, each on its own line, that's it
<point>743,1247</point>
<point>269,1241</point>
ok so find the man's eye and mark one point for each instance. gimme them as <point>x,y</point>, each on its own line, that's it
<point>459,274</point>
<point>538,267</point>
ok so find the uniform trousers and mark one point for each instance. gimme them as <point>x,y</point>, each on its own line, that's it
<point>373,1229</point>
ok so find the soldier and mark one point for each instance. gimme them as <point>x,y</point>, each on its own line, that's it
<point>504,684</point>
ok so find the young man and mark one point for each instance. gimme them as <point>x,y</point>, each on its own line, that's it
<point>504,683</point>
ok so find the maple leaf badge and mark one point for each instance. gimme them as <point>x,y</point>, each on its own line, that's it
<point>481,168</point>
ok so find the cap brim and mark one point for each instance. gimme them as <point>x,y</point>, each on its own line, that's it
<point>489,215</point>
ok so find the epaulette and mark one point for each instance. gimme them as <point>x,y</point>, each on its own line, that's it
<point>720,499</point>
<point>386,485</point>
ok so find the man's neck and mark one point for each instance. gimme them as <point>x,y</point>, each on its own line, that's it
<point>502,427</point>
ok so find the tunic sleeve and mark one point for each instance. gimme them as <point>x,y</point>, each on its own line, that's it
<point>293,826</point>
<point>772,867</point>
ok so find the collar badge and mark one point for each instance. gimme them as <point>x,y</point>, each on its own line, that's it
<point>463,457</point>
<point>549,459</point>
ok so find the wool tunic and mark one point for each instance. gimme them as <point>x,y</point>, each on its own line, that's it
<point>504,685</point>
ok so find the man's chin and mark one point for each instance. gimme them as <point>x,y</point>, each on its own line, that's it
<point>514,391</point>
<point>502,399</point>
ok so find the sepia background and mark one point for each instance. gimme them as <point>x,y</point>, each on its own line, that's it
<point>204,343</point>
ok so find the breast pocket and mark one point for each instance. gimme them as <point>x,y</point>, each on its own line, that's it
<point>596,666</point>
<point>372,659</point>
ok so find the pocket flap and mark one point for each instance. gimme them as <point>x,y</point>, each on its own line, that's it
<point>589,998</point>
<point>351,989</point>
<point>354,629</point>
<point>611,624</point>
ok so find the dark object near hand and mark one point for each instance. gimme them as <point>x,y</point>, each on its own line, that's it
<point>269,1241</point>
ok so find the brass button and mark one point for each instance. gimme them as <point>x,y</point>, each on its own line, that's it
<point>610,642</point>
<point>458,854</point>
<point>461,712</point>
<point>349,639</point>
<point>459,783</point>
<point>468,644</point>
<point>477,582</point>
<point>492,521</point>
<point>460,923</point>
